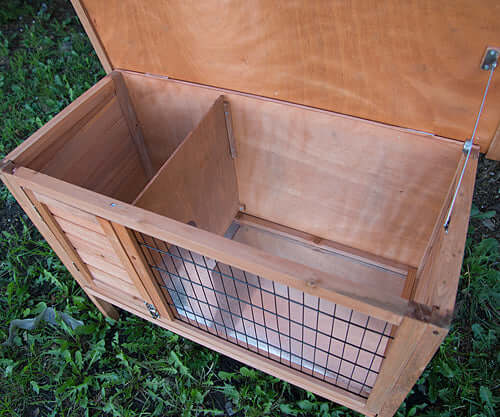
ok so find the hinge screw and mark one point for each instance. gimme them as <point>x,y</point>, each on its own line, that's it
<point>486,67</point>
<point>493,52</point>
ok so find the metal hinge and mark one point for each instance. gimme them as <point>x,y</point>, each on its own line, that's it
<point>152,310</point>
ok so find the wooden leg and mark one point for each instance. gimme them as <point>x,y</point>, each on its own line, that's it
<point>104,307</point>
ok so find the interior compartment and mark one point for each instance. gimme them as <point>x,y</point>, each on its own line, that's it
<point>369,187</point>
<point>352,198</point>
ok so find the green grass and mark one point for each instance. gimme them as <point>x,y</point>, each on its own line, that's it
<point>133,368</point>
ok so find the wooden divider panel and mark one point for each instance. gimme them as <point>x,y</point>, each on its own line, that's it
<point>197,184</point>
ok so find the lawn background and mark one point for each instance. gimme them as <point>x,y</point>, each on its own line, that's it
<point>133,368</point>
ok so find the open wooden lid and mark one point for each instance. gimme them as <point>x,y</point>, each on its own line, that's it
<point>410,64</point>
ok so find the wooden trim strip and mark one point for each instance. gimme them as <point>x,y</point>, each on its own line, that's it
<point>255,360</point>
<point>328,245</point>
<point>427,346</point>
<point>368,299</point>
<point>124,247</point>
<point>398,354</point>
<point>132,250</point>
<point>494,148</point>
<point>93,36</point>
<point>19,194</point>
<point>132,123</point>
<point>48,218</point>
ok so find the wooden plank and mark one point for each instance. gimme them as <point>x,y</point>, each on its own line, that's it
<point>93,36</point>
<point>140,266</point>
<point>423,353</point>
<point>73,229</point>
<point>316,241</point>
<point>369,300</point>
<point>102,264</point>
<point>410,64</point>
<point>364,185</point>
<point>494,148</point>
<point>439,273</point>
<point>61,236</point>
<point>198,182</point>
<point>64,125</point>
<point>19,194</point>
<point>105,276</point>
<point>106,254</point>
<point>359,273</point>
<point>250,358</point>
<point>133,125</point>
<point>70,214</point>
<point>399,352</point>
<point>125,261</point>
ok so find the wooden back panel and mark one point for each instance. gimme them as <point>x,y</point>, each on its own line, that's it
<point>365,185</point>
<point>413,64</point>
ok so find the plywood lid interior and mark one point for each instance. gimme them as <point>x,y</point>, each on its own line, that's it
<point>409,64</point>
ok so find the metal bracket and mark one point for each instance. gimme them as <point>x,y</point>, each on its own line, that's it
<point>229,127</point>
<point>467,146</point>
<point>8,166</point>
<point>490,59</point>
<point>152,310</point>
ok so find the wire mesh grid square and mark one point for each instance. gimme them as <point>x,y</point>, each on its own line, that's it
<point>313,335</point>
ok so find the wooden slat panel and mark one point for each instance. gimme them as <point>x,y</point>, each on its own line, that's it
<point>103,265</point>
<point>198,182</point>
<point>112,284</point>
<point>105,276</point>
<point>367,186</point>
<point>22,198</point>
<point>82,232</point>
<point>70,214</point>
<point>411,64</point>
<point>106,254</point>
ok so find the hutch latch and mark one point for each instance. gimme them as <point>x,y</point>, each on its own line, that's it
<point>152,310</point>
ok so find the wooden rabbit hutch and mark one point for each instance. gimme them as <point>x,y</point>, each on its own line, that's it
<point>271,180</point>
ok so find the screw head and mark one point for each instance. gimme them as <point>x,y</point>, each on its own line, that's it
<point>493,52</point>
<point>486,66</point>
<point>113,204</point>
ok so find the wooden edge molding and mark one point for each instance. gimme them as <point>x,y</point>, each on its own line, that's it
<point>368,300</point>
<point>494,148</point>
<point>93,36</point>
<point>130,117</point>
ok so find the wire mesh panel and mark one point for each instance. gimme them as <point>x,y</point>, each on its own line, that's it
<point>322,339</point>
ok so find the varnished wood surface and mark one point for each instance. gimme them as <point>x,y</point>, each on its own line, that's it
<point>413,64</point>
<point>198,182</point>
<point>364,185</point>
